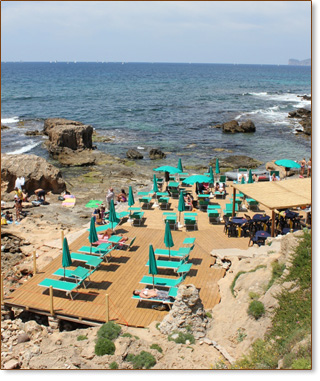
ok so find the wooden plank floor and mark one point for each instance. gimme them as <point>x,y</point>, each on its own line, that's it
<point>121,275</point>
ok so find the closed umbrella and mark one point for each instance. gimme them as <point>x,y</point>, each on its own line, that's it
<point>181,205</point>
<point>250,180</point>
<point>112,214</point>
<point>243,180</point>
<point>211,175</point>
<point>155,184</point>
<point>152,264</point>
<point>66,257</point>
<point>197,179</point>
<point>130,198</point>
<point>168,241</point>
<point>217,166</point>
<point>93,237</point>
<point>180,165</point>
<point>168,168</point>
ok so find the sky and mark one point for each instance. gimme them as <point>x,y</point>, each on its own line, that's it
<point>244,32</point>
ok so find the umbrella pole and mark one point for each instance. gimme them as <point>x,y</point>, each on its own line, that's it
<point>152,281</point>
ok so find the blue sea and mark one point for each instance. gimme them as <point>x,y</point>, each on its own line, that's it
<point>159,105</point>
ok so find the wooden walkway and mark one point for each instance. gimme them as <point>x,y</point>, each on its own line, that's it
<point>121,275</point>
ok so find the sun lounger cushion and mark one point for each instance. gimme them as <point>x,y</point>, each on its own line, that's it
<point>90,260</point>
<point>59,285</point>
<point>163,282</point>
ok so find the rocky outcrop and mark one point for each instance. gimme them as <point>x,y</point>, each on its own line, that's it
<point>233,126</point>
<point>70,142</point>
<point>304,117</point>
<point>271,166</point>
<point>134,154</point>
<point>33,133</point>
<point>187,314</point>
<point>38,173</point>
<point>235,162</point>
<point>156,153</point>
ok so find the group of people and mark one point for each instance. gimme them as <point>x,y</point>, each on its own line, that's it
<point>121,197</point>
<point>305,165</point>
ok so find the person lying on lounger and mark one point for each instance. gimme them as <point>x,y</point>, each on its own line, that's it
<point>147,293</point>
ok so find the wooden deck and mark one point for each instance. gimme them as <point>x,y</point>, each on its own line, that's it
<point>121,275</point>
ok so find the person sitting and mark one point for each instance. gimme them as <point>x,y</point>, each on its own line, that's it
<point>41,194</point>
<point>206,188</point>
<point>8,216</point>
<point>122,197</point>
<point>188,200</point>
<point>274,177</point>
<point>216,187</point>
<point>97,216</point>
<point>147,293</point>
<point>107,234</point>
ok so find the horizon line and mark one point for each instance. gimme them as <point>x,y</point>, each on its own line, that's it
<point>154,62</point>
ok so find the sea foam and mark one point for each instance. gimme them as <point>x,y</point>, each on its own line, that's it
<point>24,149</point>
<point>14,119</point>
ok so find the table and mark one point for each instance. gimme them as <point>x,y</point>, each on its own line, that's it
<point>261,234</point>
<point>238,221</point>
<point>261,218</point>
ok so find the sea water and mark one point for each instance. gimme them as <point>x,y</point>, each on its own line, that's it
<point>168,106</point>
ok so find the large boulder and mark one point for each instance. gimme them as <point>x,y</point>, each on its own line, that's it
<point>235,162</point>
<point>70,142</point>
<point>304,117</point>
<point>134,154</point>
<point>156,153</point>
<point>187,314</point>
<point>271,166</point>
<point>38,173</point>
<point>233,126</point>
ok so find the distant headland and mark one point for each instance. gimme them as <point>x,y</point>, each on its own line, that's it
<point>293,61</point>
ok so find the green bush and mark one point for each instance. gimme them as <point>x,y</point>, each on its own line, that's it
<point>182,338</point>
<point>114,365</point>
<point>109,331</point>
<point>208,314</point>
<point>301,363</point>
<point>144,360</point>
<point>256,309</point>
<point>157,347</point>
<point>130,357</point>
<point>277,271</point>
<point>104,347</point>
<point>127,334</point>
<point>82,337</point>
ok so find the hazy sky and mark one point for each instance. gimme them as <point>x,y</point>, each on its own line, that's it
<point>268,32</point>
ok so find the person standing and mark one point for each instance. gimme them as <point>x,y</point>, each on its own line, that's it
<point>109,197</point>
<point>309,168</point>
<point>303,165</point>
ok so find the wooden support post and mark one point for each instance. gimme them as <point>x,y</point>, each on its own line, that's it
<point>2,292</point>
<point>234,202</point>
<point>107,308</point>
<point>51,301</point>
<point>272,223</point>
<point>34,263</point>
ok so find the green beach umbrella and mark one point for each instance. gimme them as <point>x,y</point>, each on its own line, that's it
<point>112,214</point>
<point>152,264</point>
<point>168,168</point>
<point>250,180</point>
<point>180,165</point>
<point>181,205</point>
<point>155,184</point>
<point>197,179</point>
<point>130,198</point>
<point>66,257</point>
<point>217,166</point>
<point>168,241</point>
<point>93,237</point>
<point>211,175</point>
<point>242,180</point>
<point>287,163</point>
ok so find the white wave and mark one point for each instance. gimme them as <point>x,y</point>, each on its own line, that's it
<point>140,147</point>
<point>24,149</point>
<point>285,97</point>
<point>14,119</point>
<point>271,112</point>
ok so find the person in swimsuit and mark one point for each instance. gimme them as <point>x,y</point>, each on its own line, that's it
<point>152,293</point>
<point>303,165</point>
<point>309,168</point>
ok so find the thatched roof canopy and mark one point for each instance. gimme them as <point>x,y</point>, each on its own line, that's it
<point>279,194</point>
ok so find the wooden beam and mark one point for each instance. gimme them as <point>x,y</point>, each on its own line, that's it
<point>107,308</point>
<point>34,263</point>
<point>272,223</point>
<point>51,301</point>
<point>234,202</point>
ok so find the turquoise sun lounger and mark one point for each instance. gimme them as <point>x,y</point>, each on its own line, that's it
<point>59,285</point>
<point>162,282</point>
<point>80,274</point>
<point>105,227</point>
<point>172,265</point>
<point>90,260</point>
<point>171,297</point>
